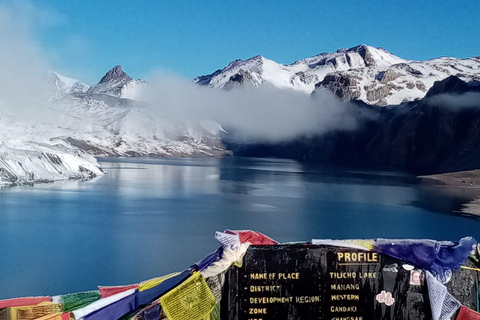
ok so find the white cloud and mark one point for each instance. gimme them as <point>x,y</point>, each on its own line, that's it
<point>253,113</point>
<point>456,101</point>
<point>22,63</point>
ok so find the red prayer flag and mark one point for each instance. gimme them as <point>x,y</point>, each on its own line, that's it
<point>110,291</point>
<point>467,314</point>
<point>255,238</point>
<point>21,302</point>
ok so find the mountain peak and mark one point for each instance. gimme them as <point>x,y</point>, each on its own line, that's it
<point>256,60</point>
<point>360,48</point>
<point>116,83</point>
<point>370,74</point>
<point>115,74</point>
<point>373,56</point>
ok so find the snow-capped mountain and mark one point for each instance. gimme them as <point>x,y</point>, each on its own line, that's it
<point>117,83</point>
<point>58,138</point>
<point>104,122</point>
<point>372,75</point>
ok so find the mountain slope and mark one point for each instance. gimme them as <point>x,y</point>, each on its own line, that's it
<point>55,139</point>
<point>121,127</point>
<point>62,86</point>
<point>364,73</point>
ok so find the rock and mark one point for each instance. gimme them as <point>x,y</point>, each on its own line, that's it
<point>388,76</point>
<point>115,74</point>
<point>378,93</point>
<point>342,85</point>
<point>304,78</point>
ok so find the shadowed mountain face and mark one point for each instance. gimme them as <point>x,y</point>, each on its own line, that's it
<point>440,133</point>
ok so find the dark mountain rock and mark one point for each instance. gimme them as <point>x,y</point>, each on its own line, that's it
<point>242,77</point>
<point>342,85</point>
<point>114,82</point>
<point>364,51</point>
<point>205,79</point>
<point>115,74</point>
<point>452,84</point>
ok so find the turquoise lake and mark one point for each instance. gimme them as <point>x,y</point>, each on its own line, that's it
<point>148,217</point>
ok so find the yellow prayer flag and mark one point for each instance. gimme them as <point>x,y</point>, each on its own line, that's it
<point>368,244</point>
<point>31,312</point>
<point>191,300</point>
<point>55,316</point>
<point>149,284</point>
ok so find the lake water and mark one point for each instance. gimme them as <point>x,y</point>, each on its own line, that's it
<point>149,217</point>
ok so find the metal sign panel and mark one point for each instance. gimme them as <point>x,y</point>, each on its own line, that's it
<point>300,282</point>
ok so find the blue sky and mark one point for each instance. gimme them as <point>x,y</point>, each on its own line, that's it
<point>192,38</point>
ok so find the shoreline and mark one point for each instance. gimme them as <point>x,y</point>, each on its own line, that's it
<point>467,182</point>
<point>462,179</point>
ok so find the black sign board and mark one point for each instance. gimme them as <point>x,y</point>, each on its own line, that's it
<point>305,282</point>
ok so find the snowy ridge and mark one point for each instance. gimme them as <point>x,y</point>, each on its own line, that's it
<point>365,73</point>
<point>61,85</point>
